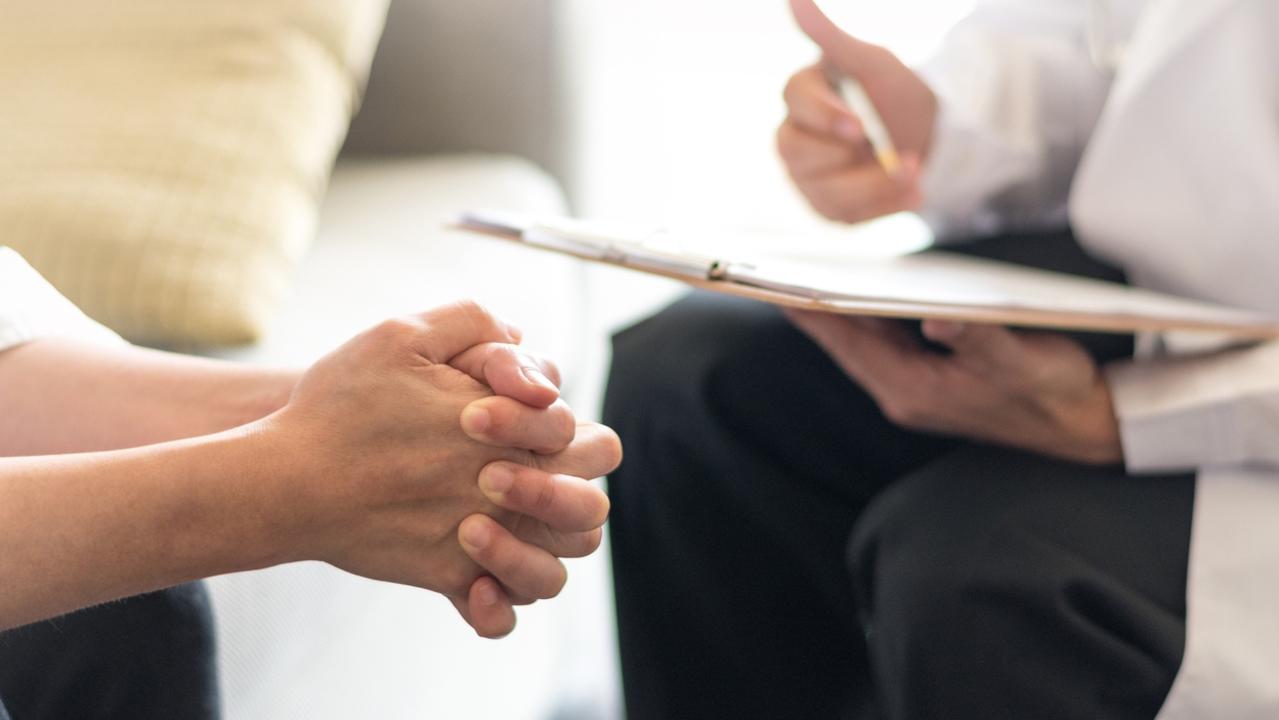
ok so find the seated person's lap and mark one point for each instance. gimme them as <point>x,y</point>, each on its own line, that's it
<point>978,574</point>
<point>151,656</point>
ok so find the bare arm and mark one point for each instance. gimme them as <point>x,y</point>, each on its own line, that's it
<point>370,466</point>
<point>83,529</point>
<point>59,396</point>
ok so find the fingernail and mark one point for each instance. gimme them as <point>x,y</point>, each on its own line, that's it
<point>497,479</point>
<point>476,535</point>
<point>536,377</point>
<point>488,595</point>
<point>847,129</point>
<point>476,420</point>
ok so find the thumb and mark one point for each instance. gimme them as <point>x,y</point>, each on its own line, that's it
<point>842,50</point>
<point>447,331</point>
<point>512,373</point>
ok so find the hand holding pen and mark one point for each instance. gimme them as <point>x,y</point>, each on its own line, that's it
<point>858,127</point>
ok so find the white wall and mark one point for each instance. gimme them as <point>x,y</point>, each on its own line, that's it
<point>677,103</point>
<point>680,98</point>
<point>676,106</point>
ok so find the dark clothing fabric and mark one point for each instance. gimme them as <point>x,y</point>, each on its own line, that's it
<point>148,657</point>
<point>782,551</point>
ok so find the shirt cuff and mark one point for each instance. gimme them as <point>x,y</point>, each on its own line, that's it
<point>31,309</point>
<point>1161,439</point>
<point>1182,414</point>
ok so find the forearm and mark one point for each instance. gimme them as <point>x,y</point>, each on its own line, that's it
<point>78,530</point>
<point>60,397</point>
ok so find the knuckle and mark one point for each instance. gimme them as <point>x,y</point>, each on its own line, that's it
<point>793,89</point>
<point>592,541</point>
<point>799,87</point>
<point>846,214</point>
<point>604,510</point>
<point>473,309</point>
<point>395,330</point>
<point>787,148</point>
<point>565,425</point>
<point>520,600</point>
<point>478,556</point>
<point>899,411</point>
<point>854,210</point>
<point>546,493</point>
<point>551,369</point>
<point>827,206</point>
<point>505,354</point>
<point>476,314</point>
<point>889,198</point>
<point>602,452</point>
<point>557,430</point>
<point>846,207</point>
<point>527,357</point>
<point>456,580</point>
<point>555,583</point>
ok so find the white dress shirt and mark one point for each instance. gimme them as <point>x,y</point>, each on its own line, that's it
<point>31,309</point>
<point>1153,128</point>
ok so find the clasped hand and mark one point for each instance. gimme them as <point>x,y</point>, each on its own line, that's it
<point>438,454</point>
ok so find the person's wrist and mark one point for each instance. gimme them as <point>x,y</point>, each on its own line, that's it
<point>264,392</point>
<point>270,486</point>
<point>1093,428</point>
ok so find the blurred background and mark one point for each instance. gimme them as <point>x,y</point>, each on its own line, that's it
<point>188,214</point>
<point>671,107</point>
<point>670,112</point>
<point>659,112</point>
<point>674,104</point>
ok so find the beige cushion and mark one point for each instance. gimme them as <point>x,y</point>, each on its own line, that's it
<point>161,161</point>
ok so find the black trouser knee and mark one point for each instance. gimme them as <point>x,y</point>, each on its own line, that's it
<point>994,583</point>
<point>750,459</point>
<point>151,656</point>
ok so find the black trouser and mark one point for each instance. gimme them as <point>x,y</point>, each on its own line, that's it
<point>146,658</point>
<point>979,582</point>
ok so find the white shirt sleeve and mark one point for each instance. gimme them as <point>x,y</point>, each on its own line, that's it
<point>30,309</point>
<point>1181,414</point>
<point>1019,97</point>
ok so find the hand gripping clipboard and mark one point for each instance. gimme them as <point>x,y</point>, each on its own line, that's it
<point>929,285</point>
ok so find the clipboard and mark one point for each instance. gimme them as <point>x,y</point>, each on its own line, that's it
<point>927,285</point>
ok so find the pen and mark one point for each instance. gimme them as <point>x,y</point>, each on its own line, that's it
<point>881,142</point>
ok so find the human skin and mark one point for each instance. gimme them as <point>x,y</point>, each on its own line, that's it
<point>1035,391</point>
<point>372,461</point>
<point>1040,392</point>
<point>822,142</point>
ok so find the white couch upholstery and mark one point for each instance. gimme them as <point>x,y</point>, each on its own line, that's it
<point>307,641</point>
<point>383,248</point>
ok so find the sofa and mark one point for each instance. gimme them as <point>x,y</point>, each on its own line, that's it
<point>466,107</point>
